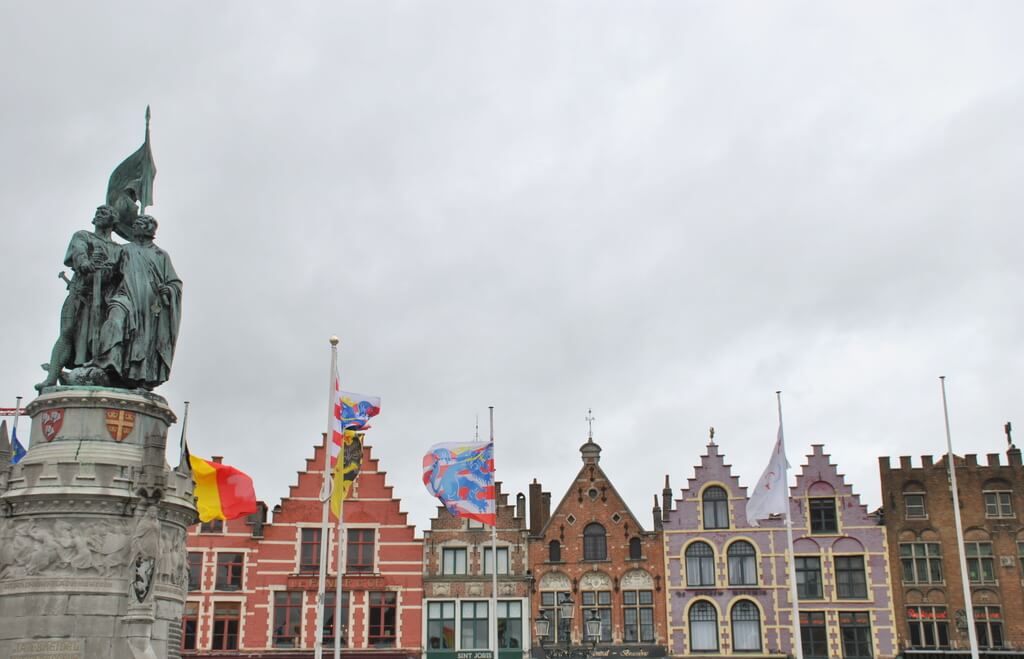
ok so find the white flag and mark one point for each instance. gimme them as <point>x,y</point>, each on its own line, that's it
<point>770,497</point>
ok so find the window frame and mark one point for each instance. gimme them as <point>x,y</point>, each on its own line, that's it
<point>714,508</point>
<point>229,572</point>
<point>855,631</point>
<point>934,624</point>
<point>907,506</point>
<point>920,554</point>
<point>800,564</point>
<point>636,549</point>
<point>554,552</point>
<point>328,621</point>
<point>510,612</point>
<point>601,601</point>
<point>818,516</point>
<point>438,615</point>
<point>290,603</point>
<point>750,606</point>
<point>222,628</point>
<point>309,549</point>
<point>190,615</point>
<point>595,542</point>
<point>813,624</point>
<point>705,565</point>
<point>454,567</point>
<point>746,563</point>
<point>195,570</point>
<point>635,604</point>
<point>360,547</point>
<point>712,621</point>
<point>504,560</point>
<point>474,629</point>
<point>999,508</point>
<point>383,605</point>
<point>981,564</point>
<point>856,588</point>
<point>549,603</point>
<point>985,624</point>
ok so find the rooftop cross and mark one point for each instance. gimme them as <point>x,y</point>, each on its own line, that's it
<point>590,424</point>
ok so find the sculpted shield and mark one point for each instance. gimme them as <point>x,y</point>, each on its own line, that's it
<point>120,423</point>
<point>52,420</point>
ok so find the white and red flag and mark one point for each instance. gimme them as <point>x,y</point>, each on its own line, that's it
<point>770,496</point>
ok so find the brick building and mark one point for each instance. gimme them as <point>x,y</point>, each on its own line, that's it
<point>928,592</point>
<point>727,581</point>
<point>594,550</point>
<point>253,585</point>
<point>457,577</point>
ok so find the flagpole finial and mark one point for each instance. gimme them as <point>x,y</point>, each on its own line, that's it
<point>335,340</point>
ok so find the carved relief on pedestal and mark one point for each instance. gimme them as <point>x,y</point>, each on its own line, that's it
<point>58,547</point>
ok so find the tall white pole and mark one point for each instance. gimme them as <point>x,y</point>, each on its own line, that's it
<point>17,413</point>
<point>325,497</point>
<point>342,542</point>
<point>494,549</point>
<point>798,645</point>
<point>972,635</point>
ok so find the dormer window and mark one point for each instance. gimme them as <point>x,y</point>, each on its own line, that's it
<point>716,508</point>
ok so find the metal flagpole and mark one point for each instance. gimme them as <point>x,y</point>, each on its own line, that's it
<point>17,413</point>
<point>325,497</point>
<point>972,635</point>
<point>798,646</point>
<point>341,559</point>
<point>494,548</point>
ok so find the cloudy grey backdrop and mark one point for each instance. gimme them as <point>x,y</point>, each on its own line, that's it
<point>661,211</point>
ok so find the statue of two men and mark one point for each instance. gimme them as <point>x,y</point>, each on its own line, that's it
<point>119,323</point>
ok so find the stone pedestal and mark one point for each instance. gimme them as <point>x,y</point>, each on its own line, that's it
<point>92,530</point>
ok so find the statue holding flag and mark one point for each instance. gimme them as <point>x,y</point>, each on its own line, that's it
<point>119,324</point>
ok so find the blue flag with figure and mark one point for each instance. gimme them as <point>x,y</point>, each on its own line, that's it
<point>461,475</point>
<point>17,450</point>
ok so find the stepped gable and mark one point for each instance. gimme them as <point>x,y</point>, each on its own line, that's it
<point>819,476</point>
<point>712,470</point>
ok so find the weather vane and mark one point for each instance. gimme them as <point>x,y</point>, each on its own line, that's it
<point>590,424</point>
<point>711,433</point>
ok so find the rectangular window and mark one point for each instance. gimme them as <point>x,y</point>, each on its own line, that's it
<point>988,623</point>
<point>287,619</point>
<point>914,506</point>
<point>503,565</point>
<point>808,577</point>
<point>359,554</point>
<point>600,601</point>
<point>226,616</point>
<point>813,634</point>
<point>560,627</point>
<point>229,570</point>
<point>474,625</point>
<point>981,566</point>
<point>510,624</point>
<point>998,504</point>
<point>922,562</point>
<point>929,626</point>
<point>855,628</point>
<point>329,598</point>
<point>453,560</point>
<point>440,626</point>
<point>638,616</point>
<point>383,619</point>
<point>195,570</point>
<point>213,526</point>
<point>823,515</point>
<point>474,524</point>
<point>851,581</point>
<point>309,551</point>
<point>190,626</point>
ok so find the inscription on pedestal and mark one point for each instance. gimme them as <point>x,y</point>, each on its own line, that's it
<point>48,648</point>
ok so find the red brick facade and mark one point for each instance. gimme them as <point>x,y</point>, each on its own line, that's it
<point>927,588</point>
<point>264,605</point>
<point>593,548</point>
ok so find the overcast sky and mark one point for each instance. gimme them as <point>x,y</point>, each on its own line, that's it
<point>663,211</point>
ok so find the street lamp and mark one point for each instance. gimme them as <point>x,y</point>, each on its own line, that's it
<point>565,649</point>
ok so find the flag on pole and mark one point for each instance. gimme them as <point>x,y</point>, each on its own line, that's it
<point>17,450</point>
<point>353,411</point>
<point>770,496</point>
<point>346,469</point>
<point>222,491</point>
<point>461,475</point>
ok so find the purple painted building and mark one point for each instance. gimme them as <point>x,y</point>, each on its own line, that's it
<point>727,585</point>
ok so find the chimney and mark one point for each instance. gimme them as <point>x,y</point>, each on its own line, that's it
<point>217,458</point>
<point>545,502</point>
<point>657,515</point>
<point>666,500</point>
<point>536,509</point>
<point>521,506</point>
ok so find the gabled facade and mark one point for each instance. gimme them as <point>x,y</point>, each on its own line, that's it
<point>592,548</point>
<point>927,584</point>
<point>728,587</point>
<point>253,585</point>
<point>458,572</point>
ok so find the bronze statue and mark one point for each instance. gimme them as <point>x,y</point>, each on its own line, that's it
<point>119,324</point>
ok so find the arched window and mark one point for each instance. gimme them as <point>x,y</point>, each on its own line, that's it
<point>703,627</point>
<point>595,547</point>
<point>635,550</point>
<point>742,564</point>
<point>554,551</point>
<point>700,565</point>
<point>716,508</point>
<point>746,627</point>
